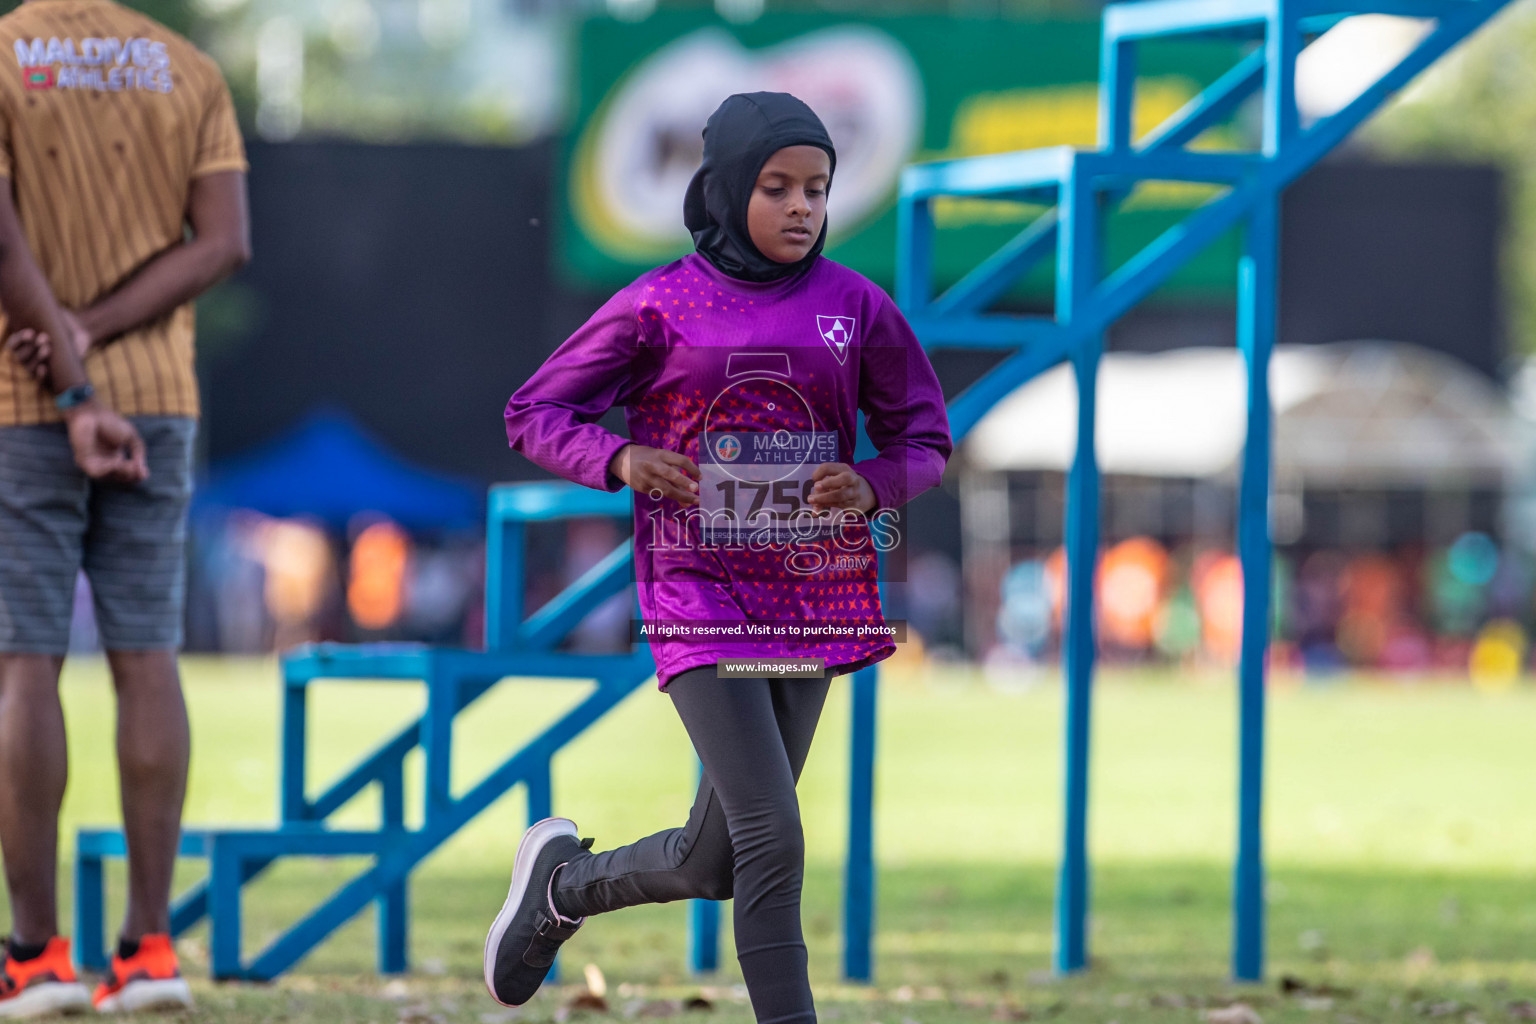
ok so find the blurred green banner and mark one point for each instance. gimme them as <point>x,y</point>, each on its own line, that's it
<point>892,91</point>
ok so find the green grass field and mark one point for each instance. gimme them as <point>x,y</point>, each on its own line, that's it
<point>1402,851</point>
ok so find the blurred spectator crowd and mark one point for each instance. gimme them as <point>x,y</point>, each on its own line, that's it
<point>1467,606</point>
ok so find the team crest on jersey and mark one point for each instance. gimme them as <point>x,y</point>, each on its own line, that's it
<point>727,448</point>
<point>837,332</point>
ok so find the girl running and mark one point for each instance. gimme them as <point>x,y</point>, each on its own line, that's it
<point>743,368</point>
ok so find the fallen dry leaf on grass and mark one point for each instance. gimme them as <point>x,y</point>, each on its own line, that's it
<point>659,1008</point>
<point>1237,1013</point>
<point>584,1002</point>
<point>422,1014</point>
<point>195,950</point>
<point>1291,985</point>
<point>1444,1008</point>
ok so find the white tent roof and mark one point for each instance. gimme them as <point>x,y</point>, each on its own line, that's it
<point>1351,414</point>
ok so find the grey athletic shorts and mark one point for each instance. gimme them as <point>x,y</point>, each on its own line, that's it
<point>131,541</point>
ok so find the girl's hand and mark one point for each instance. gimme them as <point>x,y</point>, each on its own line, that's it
<point>838,486</point>
<point>657,472</point>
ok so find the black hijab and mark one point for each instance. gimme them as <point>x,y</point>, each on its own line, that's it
<point>739,138</point>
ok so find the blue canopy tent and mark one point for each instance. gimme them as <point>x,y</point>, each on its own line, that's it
<point>328,467</point>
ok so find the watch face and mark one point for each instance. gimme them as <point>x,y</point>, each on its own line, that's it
<point>71,397</point>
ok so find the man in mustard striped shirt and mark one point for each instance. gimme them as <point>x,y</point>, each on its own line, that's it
<point>116,136</point>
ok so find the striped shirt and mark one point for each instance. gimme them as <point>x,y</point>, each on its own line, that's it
<point>106,117</point>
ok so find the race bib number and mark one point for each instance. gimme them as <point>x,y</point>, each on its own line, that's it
<point>756,484</point>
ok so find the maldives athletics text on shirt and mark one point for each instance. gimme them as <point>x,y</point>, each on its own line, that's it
<point>105,65</point>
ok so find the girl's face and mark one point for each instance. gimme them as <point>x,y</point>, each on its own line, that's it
<point>789,203</point>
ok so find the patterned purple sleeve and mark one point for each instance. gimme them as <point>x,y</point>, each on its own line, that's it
<point>550,419</point>
<point>904,412</point>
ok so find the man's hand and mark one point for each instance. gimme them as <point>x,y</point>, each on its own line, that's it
<point>32,349</point>
<point>657,472</point>
<point>106,446</point>
<point>838,486</point>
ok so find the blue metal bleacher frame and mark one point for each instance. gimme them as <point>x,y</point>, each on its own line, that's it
<point>1080,189</point>
<point>517,647</point>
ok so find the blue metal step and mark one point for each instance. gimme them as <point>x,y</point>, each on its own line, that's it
<point>1152,19</point>
<point>235,856</point>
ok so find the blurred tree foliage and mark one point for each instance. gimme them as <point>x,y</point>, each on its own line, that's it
<point>1479,104</point>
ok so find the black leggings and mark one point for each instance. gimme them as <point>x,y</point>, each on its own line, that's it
<point>743,836</point>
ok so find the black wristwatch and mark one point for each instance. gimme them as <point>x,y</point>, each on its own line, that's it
<point>70,397</point>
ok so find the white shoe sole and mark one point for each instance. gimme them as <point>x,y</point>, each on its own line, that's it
<point>533,841</point>
<point>46,999</point>
<point>165,994</point>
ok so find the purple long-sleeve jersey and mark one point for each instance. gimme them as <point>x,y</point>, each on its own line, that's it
<point>757,384</point>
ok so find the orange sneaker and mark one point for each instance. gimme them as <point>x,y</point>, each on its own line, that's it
<point>42,986</point>
<point>148,980</point>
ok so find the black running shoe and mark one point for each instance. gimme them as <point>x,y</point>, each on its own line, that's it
<point>528,932</point>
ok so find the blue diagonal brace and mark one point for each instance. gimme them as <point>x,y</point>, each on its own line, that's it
<point>1215,104</point>
<point>1001,331</point>
<point>192,906</point>
<point>967,409</point>
<point>986,283</point>
<point>551,623</point>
